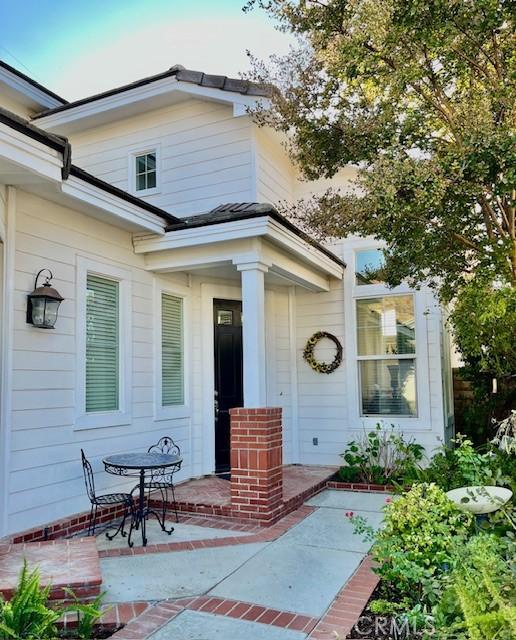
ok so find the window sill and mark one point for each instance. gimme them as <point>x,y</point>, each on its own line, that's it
<point>146,192</point>
<point>102,420</point>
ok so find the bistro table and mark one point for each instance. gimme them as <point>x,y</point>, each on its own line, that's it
<point>141,466</point>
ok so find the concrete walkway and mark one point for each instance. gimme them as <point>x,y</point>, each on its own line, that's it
<point>301,572</point>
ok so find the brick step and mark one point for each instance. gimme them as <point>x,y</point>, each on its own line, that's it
<point>211,496</point>
<point>72,564</point>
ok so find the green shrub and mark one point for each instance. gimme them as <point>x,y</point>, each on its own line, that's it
<point>381,456</point>
<point>87,614</point>
<point>28,616</point>
<point>414,547</point>
<point>478,599</point>
<point>458,465</point>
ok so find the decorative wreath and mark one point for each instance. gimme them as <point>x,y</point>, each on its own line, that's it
<point>322,367</point>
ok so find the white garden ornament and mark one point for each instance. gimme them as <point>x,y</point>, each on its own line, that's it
<point>480,500</point>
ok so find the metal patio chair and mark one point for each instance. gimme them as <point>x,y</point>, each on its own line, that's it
<point>105,500</point>
<point>164,481</point>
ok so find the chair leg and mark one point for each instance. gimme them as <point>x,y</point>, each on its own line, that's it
<point>174,499</point>
<point>164,501</point>
<point>120,528</point>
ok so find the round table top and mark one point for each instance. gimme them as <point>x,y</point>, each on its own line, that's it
<point>142,460</point>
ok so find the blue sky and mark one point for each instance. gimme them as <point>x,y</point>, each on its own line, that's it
<point>79,47</point>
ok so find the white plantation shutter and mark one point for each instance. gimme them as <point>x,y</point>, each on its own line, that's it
<point>102,344</point>
<point>172,383</point>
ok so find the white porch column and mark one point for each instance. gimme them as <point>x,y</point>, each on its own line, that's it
<point>253,332</point>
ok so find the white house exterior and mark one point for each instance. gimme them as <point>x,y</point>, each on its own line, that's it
<point>181,144</point>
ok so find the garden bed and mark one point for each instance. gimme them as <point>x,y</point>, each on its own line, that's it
<point>100,632</point>
<point>379,627</point>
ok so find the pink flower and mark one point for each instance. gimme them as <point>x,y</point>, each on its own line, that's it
<point>388,500</point>
<point>349,514</point>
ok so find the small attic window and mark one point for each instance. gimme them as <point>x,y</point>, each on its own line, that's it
<point>144,172</point>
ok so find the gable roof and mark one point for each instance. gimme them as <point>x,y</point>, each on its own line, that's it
<point>233,211</point>
<point>32,82</point>
<point>61,144</point>
<point>199,78</point>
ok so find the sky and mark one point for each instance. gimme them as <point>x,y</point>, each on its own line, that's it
<point>80,47</point>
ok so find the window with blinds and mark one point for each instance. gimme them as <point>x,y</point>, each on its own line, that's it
<point>386,352</point>
<point>172,357</point>
<point>102,344</point>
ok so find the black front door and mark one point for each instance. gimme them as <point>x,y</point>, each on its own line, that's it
<point>229,393</point>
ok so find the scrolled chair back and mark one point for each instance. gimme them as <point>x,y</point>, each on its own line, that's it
<point>88,477</point>
<point>165,445</point>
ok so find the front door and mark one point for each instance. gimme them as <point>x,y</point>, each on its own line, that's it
<point>229,392</point>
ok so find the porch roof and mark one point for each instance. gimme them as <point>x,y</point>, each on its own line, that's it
<point>233,211</point>
<point>240,234</point>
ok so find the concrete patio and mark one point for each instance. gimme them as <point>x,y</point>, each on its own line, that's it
<point>306,576</point>
<point>273,585</point>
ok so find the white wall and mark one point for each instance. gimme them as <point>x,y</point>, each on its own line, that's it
<point>329,403</point>
<point>275,175</point>
<point>206,154</point>
<point>45,479</point>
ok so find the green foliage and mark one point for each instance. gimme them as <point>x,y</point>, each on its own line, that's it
<point>381,456</point>
<point>27,615</point>
<point>483,321</point>
<point>458,465</point>
<point>421,96</point>
<point>87,614</point>
<point>414,547</point>
<point>479,594</point>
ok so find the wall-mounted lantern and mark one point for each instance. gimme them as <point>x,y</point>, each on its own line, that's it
<point>43,303</point>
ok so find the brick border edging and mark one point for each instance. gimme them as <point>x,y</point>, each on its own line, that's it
<point>152,619</point>
<point>115,616</point>
<point>251,612</point>
<point>227,511</point>
<point>346,609</point>
<point>66,527</point>
<point>339,618</point>
<point>360,486</point>
<point>268,534</point>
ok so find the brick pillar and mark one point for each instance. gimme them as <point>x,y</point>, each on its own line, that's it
<point>256,463</point>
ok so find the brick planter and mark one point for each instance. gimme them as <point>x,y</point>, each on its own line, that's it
<point>256,463</point>
<point>63,564</point>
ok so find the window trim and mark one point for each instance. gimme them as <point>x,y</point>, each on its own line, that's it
<point>171,412</point>
<point>423,301</point>
<point>133,154</point>
<point>387,356</point>
<point>122,416</point>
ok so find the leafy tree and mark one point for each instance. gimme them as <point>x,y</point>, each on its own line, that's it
<point>419,95</point>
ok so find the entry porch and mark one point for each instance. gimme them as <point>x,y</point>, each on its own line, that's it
<point>240,258</point>
<point>212,495</point>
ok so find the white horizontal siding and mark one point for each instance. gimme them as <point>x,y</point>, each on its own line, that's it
<point>45,473</point>
<point>206,154</point>
<point>274,170</point>
<point>325,400</point>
